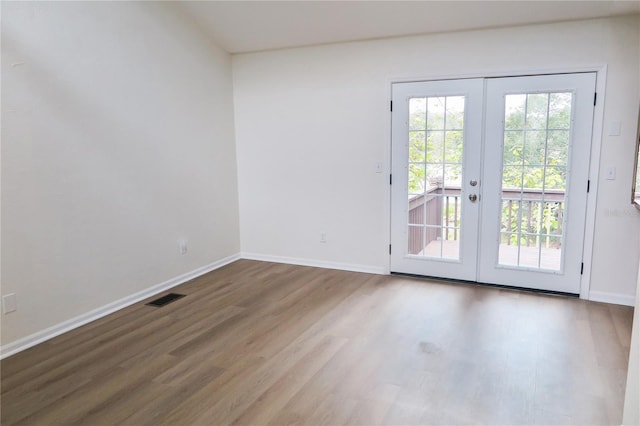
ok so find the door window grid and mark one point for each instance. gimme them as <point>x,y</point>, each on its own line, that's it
<point>435,175</point>
<point>538,197</point>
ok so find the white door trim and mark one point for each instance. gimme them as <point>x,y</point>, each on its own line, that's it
<point>596,144</point>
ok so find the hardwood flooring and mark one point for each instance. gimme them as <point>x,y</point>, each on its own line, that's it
<point>270,344</point>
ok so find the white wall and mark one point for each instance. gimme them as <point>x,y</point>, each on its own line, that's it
<point>117,141</point>
<point>631,414</point>
<point>312,122</point>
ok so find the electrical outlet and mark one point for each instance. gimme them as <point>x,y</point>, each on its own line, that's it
<point>182,246</point>
<point>9,303</point>
<point>323,237</point>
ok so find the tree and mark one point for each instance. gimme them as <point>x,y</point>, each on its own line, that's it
<point>535,154</point>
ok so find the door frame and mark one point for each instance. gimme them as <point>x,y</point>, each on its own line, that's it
<point>594,163</point>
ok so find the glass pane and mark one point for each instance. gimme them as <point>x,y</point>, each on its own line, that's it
<point>416,178</point>
<point>510,215</point>
<point>433,208</point>
<point>452,176</point>
<point>416,210</point>
<point>435,113</point>
<point>455,112</point>
<point>514,112</point>
<point>560,110</point>
<point>508,253</point>
<point>537,105</point>
<point>551,253</point>
<point>433,248</point>
<point>453,147</point>
<point>416,239</point>
<point>513,147</point>
<point>551,218</point>
<point>535,145</point>
<point>530,251</point>
<point>435,176</point>
<point>555,178</point>
<point>417,147</point>
<point>451,247</point>
<point>534,214</point>
<point>417,113</point>
<point>534,178</point>
<point>558,147</point>
<point>451,213</point>
<point>512,177</point>
<point>435,146</point>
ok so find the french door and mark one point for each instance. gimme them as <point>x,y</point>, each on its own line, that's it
<point>490,179</point>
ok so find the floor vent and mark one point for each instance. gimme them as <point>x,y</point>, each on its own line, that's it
<point>165,300</point>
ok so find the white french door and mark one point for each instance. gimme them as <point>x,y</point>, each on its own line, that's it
<point>436,147</point>
<point>490,179</point>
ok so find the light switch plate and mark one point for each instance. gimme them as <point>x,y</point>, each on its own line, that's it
<point>611,173</point>
<point>615,127</point>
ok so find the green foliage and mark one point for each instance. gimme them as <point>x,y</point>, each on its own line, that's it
<point>520,218</point>
<point>535,155</point>
<point>536,140</point>
<point>435,142</point>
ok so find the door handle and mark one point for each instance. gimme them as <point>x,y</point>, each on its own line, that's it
<point>473,197</point>
<point>473,182</point>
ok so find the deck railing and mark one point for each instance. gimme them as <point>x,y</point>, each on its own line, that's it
<point>440,208</point>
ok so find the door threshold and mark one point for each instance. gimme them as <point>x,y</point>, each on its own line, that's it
<point>501,286</point>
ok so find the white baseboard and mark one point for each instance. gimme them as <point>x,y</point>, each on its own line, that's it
<point>65,326</point>
<point>615,298</point>
<point>51,332</point>
<point>316,263</point>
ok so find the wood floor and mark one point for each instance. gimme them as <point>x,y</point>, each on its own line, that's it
<point>262,343</point>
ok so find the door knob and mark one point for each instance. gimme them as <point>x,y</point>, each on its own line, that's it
<point>473,197</point>
<point>473,182</point>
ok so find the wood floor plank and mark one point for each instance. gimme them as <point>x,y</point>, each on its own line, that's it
<point>246,389</point>
<point>266,406</point>
<point>195,326</point>
<point>257,343</point>
<point>16,407</point>
<point>305,401</point>
<point>21,369</point>
<point>109,388</point>
<point>190,411</point>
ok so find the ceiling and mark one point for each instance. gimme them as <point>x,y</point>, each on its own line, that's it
<point>250,26</point>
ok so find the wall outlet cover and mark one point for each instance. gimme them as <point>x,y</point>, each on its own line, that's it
<point>9,303</point>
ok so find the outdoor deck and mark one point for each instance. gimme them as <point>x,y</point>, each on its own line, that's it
<point>550,258</point>
<point>434,219</point>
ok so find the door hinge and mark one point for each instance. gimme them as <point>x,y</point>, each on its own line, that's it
<point>581,268</point>
<point>390,179</point>
<point>389,248</point>
<point>595,97</point>
<point>391,106</point>
<point>588,185</point>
